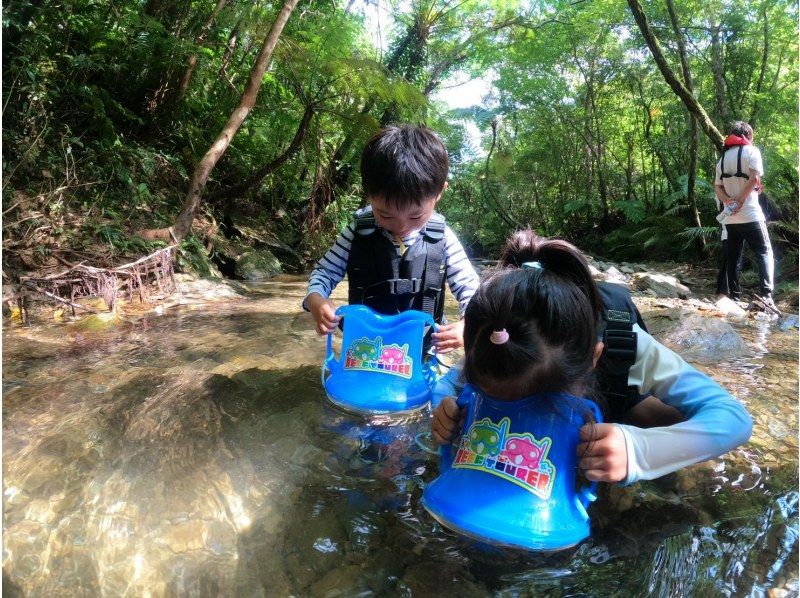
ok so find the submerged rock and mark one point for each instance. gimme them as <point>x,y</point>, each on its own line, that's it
<point>695,336</point>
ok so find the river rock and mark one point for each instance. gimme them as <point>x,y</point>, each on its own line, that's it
<point>258,265</point>
<point>696,337</point>
<point>428,579</point>
<point>338,582</point>
<point>613,274</point>
<point>662,285</point>
<point>207,289</point>
<point>788,322</point>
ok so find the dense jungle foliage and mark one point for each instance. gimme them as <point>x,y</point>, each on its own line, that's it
<point>108,107</point>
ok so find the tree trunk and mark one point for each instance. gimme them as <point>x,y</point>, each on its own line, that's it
<point>191,63</point>
<point>691,196</point>
<point>662,159</point>
<point>721,103</point>
<point>236,191</point>
<point>679,88</point>
<point>700,242</point>
<point>486,184</point>
<point>194,195</point>
<point>761,74</point>
<point>229,49</point>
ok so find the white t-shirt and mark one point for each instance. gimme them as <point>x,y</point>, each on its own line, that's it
<point>751,160</point>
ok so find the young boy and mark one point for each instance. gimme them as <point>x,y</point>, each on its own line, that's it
<point>398,252</point>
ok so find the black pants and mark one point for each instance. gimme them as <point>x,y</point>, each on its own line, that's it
<point>722,277</point>
<point>756,237</point>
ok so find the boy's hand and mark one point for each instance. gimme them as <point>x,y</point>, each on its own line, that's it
<point>324,312</point>
<point>449,337</point>
<point>602,453</point>
<point>448,418</point>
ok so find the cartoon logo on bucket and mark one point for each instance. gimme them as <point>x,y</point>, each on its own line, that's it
<point>371,355</point>
<point>518,458</point>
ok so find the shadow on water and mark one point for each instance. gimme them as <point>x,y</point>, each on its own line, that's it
<point>194,453</point>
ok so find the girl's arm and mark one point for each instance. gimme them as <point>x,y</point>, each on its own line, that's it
<point>449,385</point>
<point>715,421</point>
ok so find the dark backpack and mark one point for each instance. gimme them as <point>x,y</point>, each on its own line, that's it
<point>619,352</point>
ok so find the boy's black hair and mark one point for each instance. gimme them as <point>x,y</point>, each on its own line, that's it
<point>404,165</point>
<point>551,315</point>
<point>742,129</point>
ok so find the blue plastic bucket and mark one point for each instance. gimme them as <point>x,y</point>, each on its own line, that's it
<point>511,477</point>
<point>380,369</point>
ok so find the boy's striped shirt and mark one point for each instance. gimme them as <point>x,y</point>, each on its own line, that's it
<point>332,267</point>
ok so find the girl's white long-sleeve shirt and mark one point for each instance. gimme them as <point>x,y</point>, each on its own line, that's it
<point>715,422</point>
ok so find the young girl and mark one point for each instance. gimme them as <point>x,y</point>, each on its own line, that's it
<point>534,329</point>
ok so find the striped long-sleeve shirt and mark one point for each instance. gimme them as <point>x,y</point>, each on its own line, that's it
<point>331,268</point>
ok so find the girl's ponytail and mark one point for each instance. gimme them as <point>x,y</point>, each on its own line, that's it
<point>544,298</point>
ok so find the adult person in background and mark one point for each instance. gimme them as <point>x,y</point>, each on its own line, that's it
<point>737,180</point>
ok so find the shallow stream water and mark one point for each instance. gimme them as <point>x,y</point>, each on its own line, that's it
<point>193,453</point>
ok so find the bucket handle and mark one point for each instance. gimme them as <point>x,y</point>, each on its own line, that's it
<point>588,493</point>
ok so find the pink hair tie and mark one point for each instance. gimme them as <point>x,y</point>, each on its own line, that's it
<point>499,337</point>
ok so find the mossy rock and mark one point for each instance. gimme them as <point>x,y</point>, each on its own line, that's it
<point>258,265</point>
<point>99,321</point>
<point>197,265</point>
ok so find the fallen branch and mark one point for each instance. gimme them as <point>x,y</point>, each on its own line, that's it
<point>57,298</point>
<point>80,280</point>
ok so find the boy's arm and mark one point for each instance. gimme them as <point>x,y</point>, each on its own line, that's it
<point>463,282</point>
<point>331,268</point>
<point>461,276</point>
<point>715,421</point>
<point>752,183</point>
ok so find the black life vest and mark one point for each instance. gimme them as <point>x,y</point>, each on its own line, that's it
<point>738,172</point>
<point>390,284</point>
<point>619,352</point>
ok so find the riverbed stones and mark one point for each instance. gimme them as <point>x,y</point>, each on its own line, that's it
<point>207,289</point>
<point>660,285</point>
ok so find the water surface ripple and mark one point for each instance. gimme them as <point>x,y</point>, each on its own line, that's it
<point>193,453</point>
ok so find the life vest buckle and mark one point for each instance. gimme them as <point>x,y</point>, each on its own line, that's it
<point>403,286</point>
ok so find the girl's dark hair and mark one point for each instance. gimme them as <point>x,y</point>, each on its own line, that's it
<point>404,165</point>
<point>551,315</point>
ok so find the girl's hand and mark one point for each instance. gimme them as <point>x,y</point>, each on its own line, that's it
<point>602,453</point>
<point>449,337</point>
<point>448,418</point>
